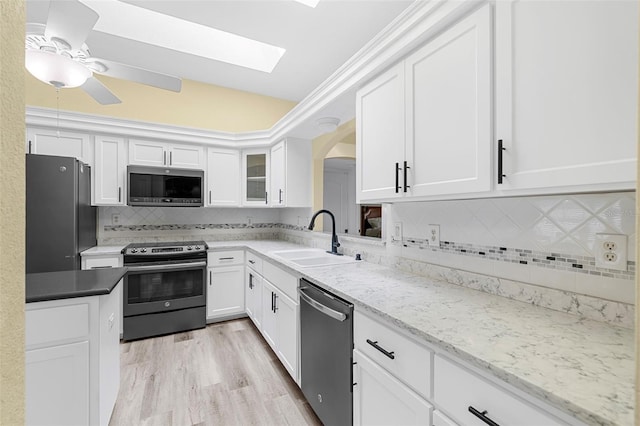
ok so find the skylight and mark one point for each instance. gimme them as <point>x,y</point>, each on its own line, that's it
<point>310,3</point>
<point>136,23</point>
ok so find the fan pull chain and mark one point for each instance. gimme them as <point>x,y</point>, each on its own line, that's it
<point>58,112</point>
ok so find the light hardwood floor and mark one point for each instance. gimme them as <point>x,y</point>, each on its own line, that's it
<point>224,374</point>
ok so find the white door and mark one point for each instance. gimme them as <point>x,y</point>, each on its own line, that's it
<point>287,317</point>
<point>64,144</point>
<point>225,294</point>
<point>269,320</point>
<point>57,385</point>
<point>448,111</point>
<point>380,399</point>
<point>253,297</point>
<point>566,87</point>
<point>145,153</point>
<point>109,171</point>
<point>223,177</point>
<point>186,157</point>
<point>380,136</point>
<point>278,175</point>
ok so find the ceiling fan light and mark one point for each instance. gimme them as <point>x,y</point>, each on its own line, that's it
<point>56,70</point>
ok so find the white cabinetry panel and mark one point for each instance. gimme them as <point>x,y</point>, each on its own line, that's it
<point>223,177</point>
<point>109,171</point>
<point>225,295</point>
<point>61,143</point>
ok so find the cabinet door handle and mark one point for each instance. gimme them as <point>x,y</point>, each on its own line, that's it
<point>405,176</point>
<point>164,158</point>
<point>209,197</point>
<point>275,303</point>
<point>251,281</point>
<point>252,261</point>
<point>482,415</point>
<point>381,349</point>
<point>266,197</point>
<point>171,158</point>
<point>102,267</point>
<point>226,258</point>
<point>272,301</point>
<point>29,147</point>
<point>210,278</point>
<point>119,194</point>
<point>500,171</point>
<point>397,167</point>
<point>280,197</point>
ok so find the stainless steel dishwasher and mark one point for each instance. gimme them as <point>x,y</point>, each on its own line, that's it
<point>326,351</point>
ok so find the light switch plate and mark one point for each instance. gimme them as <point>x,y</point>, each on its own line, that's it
<point>397,231</point>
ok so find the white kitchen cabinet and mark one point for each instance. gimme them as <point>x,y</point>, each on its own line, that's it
<point>60,143</point>
<point>72,352</point>
<point>380,136</point>
<point>108,171</point>
<point>225,292</point>
<point>381,399</point>
<point>151,153</point>
<point>100,261</point>
<point>253,296</point>
<point>424,127</point>
<point>439,419</point>
<point>280,317</point>
<point>458,391</point>
<point>566,91</point>
<point>256,169</point>
<point>448,111</point>
<point>291,173</point>
<point>223,177</point>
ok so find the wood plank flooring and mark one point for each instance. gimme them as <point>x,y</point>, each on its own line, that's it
<point>224,374</point>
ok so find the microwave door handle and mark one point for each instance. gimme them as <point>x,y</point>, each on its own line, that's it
<point>166,267</point>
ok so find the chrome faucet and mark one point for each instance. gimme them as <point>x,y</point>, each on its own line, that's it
<point>334,237</point>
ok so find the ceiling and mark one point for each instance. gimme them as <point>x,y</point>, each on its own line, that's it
<point>317,40</point>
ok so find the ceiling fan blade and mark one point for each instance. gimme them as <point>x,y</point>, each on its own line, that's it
<point>70,21</point>
<point>99,92</point>
<point>139,75</point>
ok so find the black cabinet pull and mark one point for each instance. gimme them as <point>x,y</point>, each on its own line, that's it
<point>209,197</point>
<point>500,171</point>
<point>266,197</point>
<point>251,281</point>
<point>272,301</point>
<point>164,158</point>
<point>210,278</point>
<point>226,258</point>
<point>397,166</point>
<point>405,177</point>
<point>280,197</point>
<point>252,261</point>
<point>171,158</point>
<point>29,147</point>
<point>375,345</point>
<point>482,415</point>
<point>119,194</point>
<point>275,303</point>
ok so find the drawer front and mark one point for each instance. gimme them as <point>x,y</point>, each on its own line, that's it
<point>456,389</point>
<point>286,282</point>
<point>254,262</point>
<point>102,262</point>
<point>411,362</point>
<point>225,258</point>
<point>52,324</point>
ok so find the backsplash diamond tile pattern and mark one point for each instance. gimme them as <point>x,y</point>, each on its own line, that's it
<point>552,224</point>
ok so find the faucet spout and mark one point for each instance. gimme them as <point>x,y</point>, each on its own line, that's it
<point>334,237</point>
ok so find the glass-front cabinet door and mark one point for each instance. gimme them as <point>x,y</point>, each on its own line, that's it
<point>255,177</point>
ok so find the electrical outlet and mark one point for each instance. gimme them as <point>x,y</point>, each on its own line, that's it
<point>249,220</point>
<point>611,251</point>
<point>115,219</point>
<point>397,231</point>
<point>433,235</point>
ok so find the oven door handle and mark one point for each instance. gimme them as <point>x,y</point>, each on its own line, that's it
<point>166,267</point>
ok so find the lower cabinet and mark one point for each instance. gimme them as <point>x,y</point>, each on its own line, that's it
<point>381,399</point>
<point>225,289</point>
<point>253,296</point>
<point>72,359</point>
<point>280,316</point>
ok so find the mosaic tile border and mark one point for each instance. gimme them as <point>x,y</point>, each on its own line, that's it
<point>201,226</point>
<point>558,261</point>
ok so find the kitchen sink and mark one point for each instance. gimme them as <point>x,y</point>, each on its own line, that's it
<point>312,257</point>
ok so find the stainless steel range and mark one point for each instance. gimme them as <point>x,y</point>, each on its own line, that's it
<point>164,288</point>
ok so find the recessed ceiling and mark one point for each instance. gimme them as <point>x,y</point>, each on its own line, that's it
<point>317,40</point>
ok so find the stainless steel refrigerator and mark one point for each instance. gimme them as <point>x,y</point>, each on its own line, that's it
<point>60,219</point>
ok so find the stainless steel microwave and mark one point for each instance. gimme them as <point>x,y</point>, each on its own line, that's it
<point>163,186</point>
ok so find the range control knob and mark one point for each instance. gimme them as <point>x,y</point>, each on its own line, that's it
<point>134,250</point>
<point>143,250</point>
<point>197,247</point>
<point>189,248</point>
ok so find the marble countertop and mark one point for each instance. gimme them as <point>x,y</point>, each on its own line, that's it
<point>103,250</point>
<point>583,367</point>
<point>67,284</point>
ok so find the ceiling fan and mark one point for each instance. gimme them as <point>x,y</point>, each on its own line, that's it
<point>56,54</point>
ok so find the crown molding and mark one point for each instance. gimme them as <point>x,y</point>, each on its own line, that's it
<point>422,20</point>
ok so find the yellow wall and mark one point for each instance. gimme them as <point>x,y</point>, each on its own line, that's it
<point>12,16</point>
<point>197,105</point>
<point>321,147</point>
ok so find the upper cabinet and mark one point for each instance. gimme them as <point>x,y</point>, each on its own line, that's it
<point>255,177</point>
<point>148,153</point>
<point>566,91</point>
<point>424,127</point>
<point>291,173</point>
<point>223,177</point>
<point>61,143</point>
<point>109,171</point>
